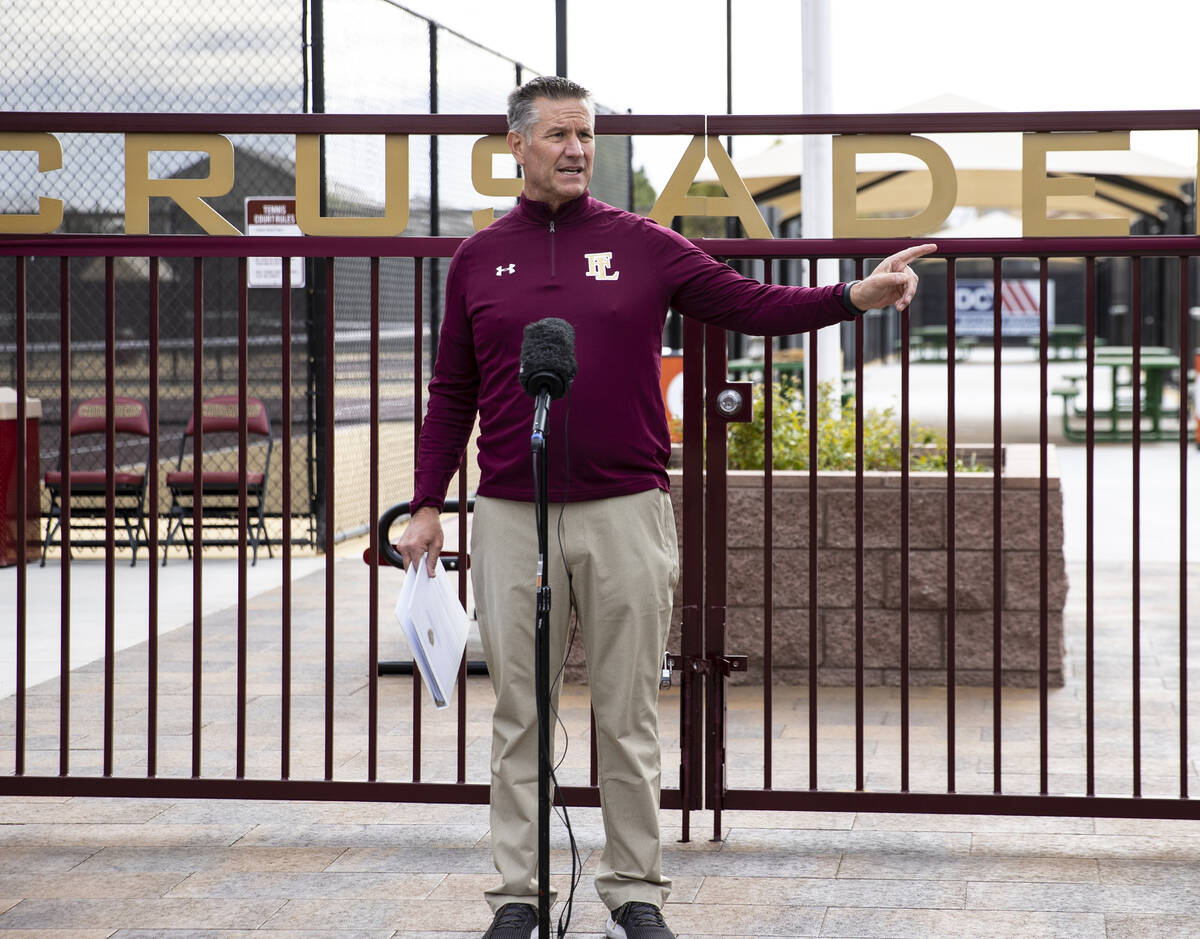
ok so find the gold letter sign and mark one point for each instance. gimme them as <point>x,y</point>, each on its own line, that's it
<point>738,202</point>
<point>395,187</point>
<point>847,224</point>
<point>187,193</point>
<point>1037,187</point>
<point>484,182</point>
<point>50,211</point>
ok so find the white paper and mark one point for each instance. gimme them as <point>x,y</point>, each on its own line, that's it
<point>435,625</point>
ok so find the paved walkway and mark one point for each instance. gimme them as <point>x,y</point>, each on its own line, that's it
<point>94,867</point>
<point>89,868</point>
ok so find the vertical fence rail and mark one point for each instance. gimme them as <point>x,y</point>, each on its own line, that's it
<point>1090,531</point>
<point>197,508</point>
<point>20,511</point>
<point>1135,663</point>
<point>691,693</point>
<point>64,633</point>
<point>1184,399</point>
<point>243,436</point>
<point>951,527</point>
<point>464,572</point>
<point>373,540</point>
<point>814,393</point>
<point>768,572</point>
<point>997,521</point>
<point>715,585</point>
<point>110,498</point>
<point>418,410</point>
<point>1043,528</point>
<point>860,387</point>
<point>330,574</point>
<point>152,476</point>
<point>285,600</point>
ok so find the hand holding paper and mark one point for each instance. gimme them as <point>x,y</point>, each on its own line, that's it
<point>435,625</point>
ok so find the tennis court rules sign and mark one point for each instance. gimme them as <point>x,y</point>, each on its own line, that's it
<point>974,307</point>
<point>267,215</point>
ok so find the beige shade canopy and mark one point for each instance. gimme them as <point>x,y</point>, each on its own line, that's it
<point>988,166</point>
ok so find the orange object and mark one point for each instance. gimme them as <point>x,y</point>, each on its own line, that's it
<point>10,472</point>
<point>1196,395</point>
<point>671,381</point>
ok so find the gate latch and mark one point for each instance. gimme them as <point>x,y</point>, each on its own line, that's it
<point>734,402</point>
<point>725,664</point>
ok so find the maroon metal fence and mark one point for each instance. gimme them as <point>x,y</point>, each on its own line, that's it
<point>707,651</point>
<point>853,793</point>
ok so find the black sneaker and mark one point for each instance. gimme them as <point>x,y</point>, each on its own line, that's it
<point>636,920</point>
<point>514,921</point>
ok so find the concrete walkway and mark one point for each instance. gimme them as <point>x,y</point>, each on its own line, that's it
<point>131,616</point>
<point>85,867</point>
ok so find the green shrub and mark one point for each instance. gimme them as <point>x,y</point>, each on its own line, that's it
<point>835,437</point>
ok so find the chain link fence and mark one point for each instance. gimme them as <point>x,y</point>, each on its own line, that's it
<point>374,56</point>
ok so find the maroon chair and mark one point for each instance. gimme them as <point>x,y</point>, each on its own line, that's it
<point>219,478</point>
<point>88,487</point>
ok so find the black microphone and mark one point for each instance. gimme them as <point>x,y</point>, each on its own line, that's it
<point>547,366</point>
<point>548,356</point>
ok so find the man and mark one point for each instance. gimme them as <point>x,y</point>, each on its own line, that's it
<point>612,275</point>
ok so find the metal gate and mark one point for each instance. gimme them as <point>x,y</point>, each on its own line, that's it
<point>1113,778</point>
<point>244,766</point>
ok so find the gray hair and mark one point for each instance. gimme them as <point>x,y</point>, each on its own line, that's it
<point>522,103</point>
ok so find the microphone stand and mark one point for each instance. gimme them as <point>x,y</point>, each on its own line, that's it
<point>541,643</point>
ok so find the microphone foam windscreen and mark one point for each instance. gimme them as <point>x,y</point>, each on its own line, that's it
<point>548,355</point>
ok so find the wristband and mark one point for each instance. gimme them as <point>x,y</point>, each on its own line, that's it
<point>847,302</point>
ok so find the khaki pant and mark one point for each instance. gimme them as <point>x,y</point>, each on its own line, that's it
<point>623,562</point>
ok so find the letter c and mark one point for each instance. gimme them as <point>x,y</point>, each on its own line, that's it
<point>50,211</point>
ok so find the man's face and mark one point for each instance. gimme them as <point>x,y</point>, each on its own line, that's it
<point>557,157</point>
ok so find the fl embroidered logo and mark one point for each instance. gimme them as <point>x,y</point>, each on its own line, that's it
<point>598,266</point>
<point>510,269</point>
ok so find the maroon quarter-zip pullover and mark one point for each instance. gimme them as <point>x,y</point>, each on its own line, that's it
<point>613,276</point>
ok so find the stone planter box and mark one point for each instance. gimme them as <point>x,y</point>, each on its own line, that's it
<point>929,524</point>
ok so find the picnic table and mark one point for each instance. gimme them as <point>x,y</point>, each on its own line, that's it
<point>1114,423</point>
<point>1064,340</point>
<point>933,342</point>
<point>787,366</point>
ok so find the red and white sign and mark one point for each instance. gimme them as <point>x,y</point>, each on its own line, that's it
<point>272,216</point>
<point>1020,313</point>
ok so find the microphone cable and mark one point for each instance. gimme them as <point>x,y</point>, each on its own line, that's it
<point>564,919</point>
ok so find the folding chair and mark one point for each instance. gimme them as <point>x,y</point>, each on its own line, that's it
<point>219,486</point>
<point>88,496</point>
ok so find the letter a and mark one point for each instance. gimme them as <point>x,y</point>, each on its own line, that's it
<point>737,203</point>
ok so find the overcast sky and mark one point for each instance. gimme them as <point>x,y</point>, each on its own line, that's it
<point>669,56</point>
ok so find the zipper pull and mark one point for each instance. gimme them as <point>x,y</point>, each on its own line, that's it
<point>552,226</point>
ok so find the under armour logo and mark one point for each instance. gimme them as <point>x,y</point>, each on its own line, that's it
<point>598,265</point>
<point>511,269</point>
